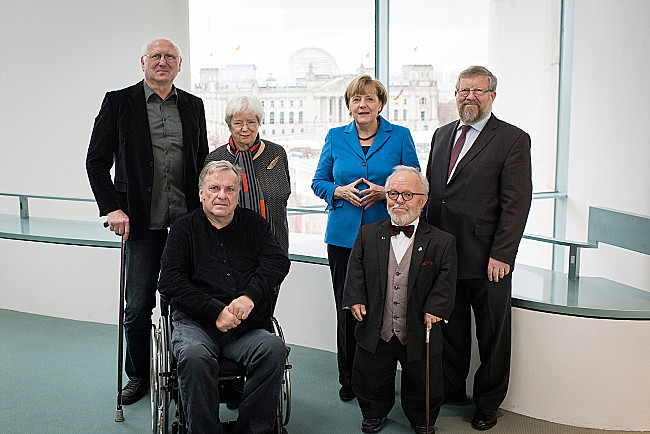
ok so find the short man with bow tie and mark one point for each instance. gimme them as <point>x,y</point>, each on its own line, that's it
<point>401,279</point>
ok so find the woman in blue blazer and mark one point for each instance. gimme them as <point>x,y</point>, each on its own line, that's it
<point>351,172</point>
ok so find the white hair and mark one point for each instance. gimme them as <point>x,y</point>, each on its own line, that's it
<point>243,104</point>
<point>401,168</point>
<point>145,47</point>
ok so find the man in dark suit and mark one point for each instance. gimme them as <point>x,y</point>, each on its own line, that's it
<point>400,280</point>
<point>154,134</point>
<point>480,174</point>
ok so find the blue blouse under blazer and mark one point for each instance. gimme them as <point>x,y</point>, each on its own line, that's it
<point>342,161</point>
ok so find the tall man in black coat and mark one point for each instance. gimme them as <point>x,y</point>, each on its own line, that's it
<point>154,135</point>
<point>400,280</point>
<point>480,174</point>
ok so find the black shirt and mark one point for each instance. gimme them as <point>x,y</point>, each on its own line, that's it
<point>204,268</point>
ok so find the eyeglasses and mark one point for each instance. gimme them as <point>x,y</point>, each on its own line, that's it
<point>406,195</point>
<point>157,56</point>
<point>238,125</point>
<point>477,92</point>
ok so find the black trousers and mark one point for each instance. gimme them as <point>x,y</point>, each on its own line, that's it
<point>373,382</point>
<point>491,303</point>
<point>345,322</point>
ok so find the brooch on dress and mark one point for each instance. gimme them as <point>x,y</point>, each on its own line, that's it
<point>273,163</point>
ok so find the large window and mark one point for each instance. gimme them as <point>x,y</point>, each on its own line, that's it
<point>285,54</point>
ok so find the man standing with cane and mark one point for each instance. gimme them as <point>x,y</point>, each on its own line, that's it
<point>154,136</point>
<point>400,283</point>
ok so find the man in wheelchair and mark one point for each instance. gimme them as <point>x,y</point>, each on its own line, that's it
<point>219,270</point>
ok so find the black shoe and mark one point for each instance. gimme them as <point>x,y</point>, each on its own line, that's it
<point>422,429</point>
<point>373,425</point>
<point>484,419</point>
<point>134,390</point>
<point>346,394</point>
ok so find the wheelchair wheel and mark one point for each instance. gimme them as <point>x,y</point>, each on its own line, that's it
<point>153,379</point>
<point>160,371</point>
<point>284,407</point>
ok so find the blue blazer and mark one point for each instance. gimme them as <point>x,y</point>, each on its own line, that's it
<point>342,161</point>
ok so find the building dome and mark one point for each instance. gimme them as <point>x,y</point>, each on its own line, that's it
<point>322,63</point>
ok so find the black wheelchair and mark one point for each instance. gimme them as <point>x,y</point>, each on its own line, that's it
<point>232,375</point>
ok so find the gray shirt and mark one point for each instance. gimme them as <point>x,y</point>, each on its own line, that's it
<point>167,195</point>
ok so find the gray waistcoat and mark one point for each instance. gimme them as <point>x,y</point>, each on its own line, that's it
<point>394,320</point>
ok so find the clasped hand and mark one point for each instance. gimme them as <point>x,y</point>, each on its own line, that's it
<point>365,198</point>
<point>233,314</point>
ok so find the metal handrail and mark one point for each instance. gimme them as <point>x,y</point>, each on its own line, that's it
<point>574,246</point>
<point>574,251</point>
<point>23,200</point>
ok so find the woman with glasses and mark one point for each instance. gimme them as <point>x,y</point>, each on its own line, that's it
<point>354,164</point>
<point>265,170</point>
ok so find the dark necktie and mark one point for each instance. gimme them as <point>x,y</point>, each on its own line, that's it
<point>408,230</point>
<point>455,152</point>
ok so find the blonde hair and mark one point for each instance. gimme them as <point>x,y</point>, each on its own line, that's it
<point>359,85</point>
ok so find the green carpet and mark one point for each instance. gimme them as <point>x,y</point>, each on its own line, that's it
<point>59,376</point>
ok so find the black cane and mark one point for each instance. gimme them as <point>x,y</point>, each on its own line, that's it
<point>119,414</point>
<point>426,339</point>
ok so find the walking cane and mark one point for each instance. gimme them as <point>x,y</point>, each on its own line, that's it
<point>119,414</point>
<point>426,339</point>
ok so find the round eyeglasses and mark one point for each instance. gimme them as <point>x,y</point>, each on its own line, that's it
<point>406,195</point>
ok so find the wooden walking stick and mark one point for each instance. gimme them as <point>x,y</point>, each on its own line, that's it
<point>426,339</point>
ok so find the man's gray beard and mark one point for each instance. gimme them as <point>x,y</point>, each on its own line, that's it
<point>470,113</point>
<point>402,220</point>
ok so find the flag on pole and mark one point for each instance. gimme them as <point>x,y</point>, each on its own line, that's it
<point>399,96</point>
<point>238,47</point>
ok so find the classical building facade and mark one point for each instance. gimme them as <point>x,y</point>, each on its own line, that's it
<point>306,100</point>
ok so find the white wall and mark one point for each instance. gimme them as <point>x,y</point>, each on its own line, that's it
<point>610,147</point>
<point>58,60</point>
<point>580,371</point>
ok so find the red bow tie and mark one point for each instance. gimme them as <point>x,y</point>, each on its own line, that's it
<point>408,230</point>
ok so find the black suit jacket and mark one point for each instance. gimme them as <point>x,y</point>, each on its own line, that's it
<point>121,136</point>
<point>431,283</point>
<point>485,204</point>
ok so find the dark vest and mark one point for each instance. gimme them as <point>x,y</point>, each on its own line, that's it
<point>394,319</point>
